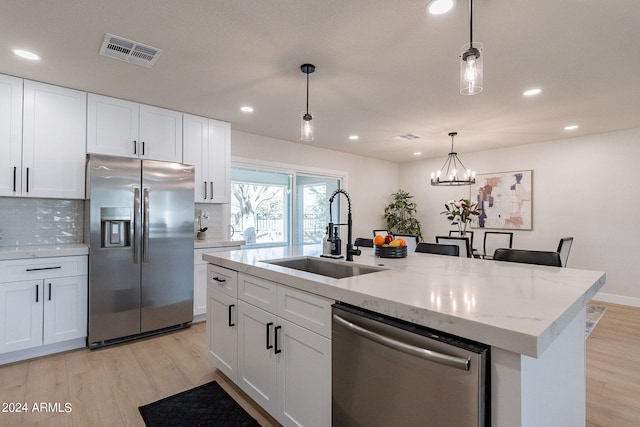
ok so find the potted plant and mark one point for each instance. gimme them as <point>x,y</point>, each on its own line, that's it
<point>202,235</point>
<point>460,213</point>
<point>400,215</point>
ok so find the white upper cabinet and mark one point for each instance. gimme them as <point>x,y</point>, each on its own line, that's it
<point>127,129</point>
<point>42,140</point>
<point>207,146</point>
<point>10,135</point>
<point>112,126</point>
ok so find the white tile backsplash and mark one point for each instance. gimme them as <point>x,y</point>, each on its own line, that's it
<point>27,222</point>
<point>217,223</point>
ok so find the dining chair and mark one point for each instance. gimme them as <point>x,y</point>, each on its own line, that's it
<point>461,242</point>
<point>563,249</point>
<point>526,256</point>
<point>380,233</point>
<point>468,234</point>
<point>411,239</point>
<point>437,248</point>
<point>496,239</point>
<point>365,243</point>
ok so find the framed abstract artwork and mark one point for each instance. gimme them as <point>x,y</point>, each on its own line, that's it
<point>504,199</point>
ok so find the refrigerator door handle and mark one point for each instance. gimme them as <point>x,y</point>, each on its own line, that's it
<point>136,215</point>
<point>145,225</point>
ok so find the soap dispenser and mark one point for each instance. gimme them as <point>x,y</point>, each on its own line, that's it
<point>326,244</point>
<point>336,243</point>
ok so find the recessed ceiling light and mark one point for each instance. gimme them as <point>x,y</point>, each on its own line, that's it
<point>417,153</point>
<point>571,127</point>
<point>438,7</point>
<point>532,92</point>
<point>26,54</point>
<point>246,109</point>
<point>354,137</point>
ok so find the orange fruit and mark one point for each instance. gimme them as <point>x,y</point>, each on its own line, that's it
<point>378,240</point>
<point>402,241</point>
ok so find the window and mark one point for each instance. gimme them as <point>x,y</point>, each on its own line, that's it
<point>265,211</point>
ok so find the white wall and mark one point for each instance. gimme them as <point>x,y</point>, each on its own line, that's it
<point>582,187</point>
<point>369,182</point>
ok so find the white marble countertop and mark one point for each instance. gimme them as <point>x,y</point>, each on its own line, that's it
<point>517,307</point>
<point>203,244</point>
<point>42,251</point>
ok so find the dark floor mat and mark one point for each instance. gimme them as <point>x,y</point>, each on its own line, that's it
<point>205,405</point>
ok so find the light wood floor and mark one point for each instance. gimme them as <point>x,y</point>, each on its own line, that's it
<point>105,387</point>
<point>613,369</point>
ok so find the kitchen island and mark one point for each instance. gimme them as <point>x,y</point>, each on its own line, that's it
<point>533,317</point>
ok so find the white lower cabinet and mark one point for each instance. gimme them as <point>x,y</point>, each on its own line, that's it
<point>283,366</point>
<point>222,325</point>
<point>48,308</point>
<point>274,342</point>
<point>200,281</point>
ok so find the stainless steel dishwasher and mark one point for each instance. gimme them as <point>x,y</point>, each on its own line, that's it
<point>386,372</point>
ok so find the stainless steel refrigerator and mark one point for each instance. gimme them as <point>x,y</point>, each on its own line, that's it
<point>139,220</point>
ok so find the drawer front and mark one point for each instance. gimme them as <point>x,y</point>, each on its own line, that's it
<point>259,292</point>
<point>223,279</point>
<point>307,310</point>
<point>43,268</point>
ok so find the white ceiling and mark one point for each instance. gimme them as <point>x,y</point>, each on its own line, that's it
<point>383,67</point>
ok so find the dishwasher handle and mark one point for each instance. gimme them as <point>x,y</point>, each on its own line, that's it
<point>423,353</point>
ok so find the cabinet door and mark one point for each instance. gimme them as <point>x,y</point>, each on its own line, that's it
<point>195,144</point>
<point>21,315</point>
<point>256,355</point>
<point>220,158</point>
<point>199,287</point>
<point>10,135</point>
<point>222,332</point>
<point>54,141</point>
<point>65,309</point>
<point>160,134</point>
<point>304,377</point>
<point>112,126</point>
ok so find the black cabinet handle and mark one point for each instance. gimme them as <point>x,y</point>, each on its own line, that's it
<point>230,320</point>
<point>14,178</point>
<point>49,291</point>
<point>27,180</point>
<point>143,148</point>
<point>135,147</point>
<point>37,292</point>
<point>219,280</point>
<point>277,350</point>
<point>269,325</point>
<point>43,268</point>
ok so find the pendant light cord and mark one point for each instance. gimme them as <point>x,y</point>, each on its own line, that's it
<point>307,92</point>
<point>470,24</point>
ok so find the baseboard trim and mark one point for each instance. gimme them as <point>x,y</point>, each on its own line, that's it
<point>30,353</point>
<point>617,299</point>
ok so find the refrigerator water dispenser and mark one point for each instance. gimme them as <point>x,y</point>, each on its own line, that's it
<point>116,224</point>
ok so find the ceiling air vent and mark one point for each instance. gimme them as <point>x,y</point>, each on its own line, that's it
<point>406,137</point>
<point>129,51</point>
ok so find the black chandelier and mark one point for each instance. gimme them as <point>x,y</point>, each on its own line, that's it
<point>448,173</point>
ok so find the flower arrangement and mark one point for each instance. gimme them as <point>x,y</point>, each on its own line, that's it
<point>460,213</point>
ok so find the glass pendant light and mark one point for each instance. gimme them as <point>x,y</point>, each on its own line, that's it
<point>306,130</point>
<point>471,56</point>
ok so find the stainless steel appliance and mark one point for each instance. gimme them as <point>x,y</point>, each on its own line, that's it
<point>387,372</point>
<point>139,215</point>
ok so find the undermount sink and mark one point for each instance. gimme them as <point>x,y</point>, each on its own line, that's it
<point>327,268</point>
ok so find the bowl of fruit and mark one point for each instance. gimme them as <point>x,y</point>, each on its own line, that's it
<point>388,247</point>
